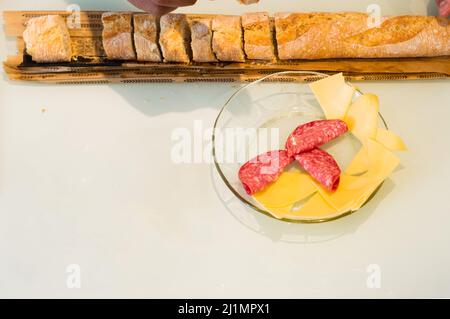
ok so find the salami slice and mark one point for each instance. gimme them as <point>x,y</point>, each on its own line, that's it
<point>314,134</point>
<point>322,167</point>
<point>262,170</point>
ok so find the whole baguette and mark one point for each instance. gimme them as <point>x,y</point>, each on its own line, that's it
<point>350,35</point>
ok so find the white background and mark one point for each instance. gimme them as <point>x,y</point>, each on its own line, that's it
<point>90,182</point>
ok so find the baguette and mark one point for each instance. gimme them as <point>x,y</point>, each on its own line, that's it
<point>233,38</point>
<point>227,38</point>
<point>146,37</point>
<point>258,36</point>
<point>175,38</point>
<point>117,36</point>
<point>47,39</point>
<point>348,35</point>
<point>201,43</point>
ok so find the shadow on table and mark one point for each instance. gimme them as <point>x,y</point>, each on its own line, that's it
<point>155,99</point>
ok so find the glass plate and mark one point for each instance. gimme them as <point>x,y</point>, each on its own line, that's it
<point>259,117</point>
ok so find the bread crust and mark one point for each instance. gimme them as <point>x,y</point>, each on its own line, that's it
<point>117,36</point>
<point>258,36</point>
<point>247,2</point>
<point>47,39</point>
<point>146,37</point>
<point>227,38</point>
<point>201,40</point>
<point>349,35</point>
<point>175,38</point>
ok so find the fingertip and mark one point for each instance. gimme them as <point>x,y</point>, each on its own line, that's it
<point>160,11</point>
<point>151,7</point>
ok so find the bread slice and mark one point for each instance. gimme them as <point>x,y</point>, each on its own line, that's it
<point>47,39</point>
<point>227,38</point>
<point>349,35</point>
<point>175,38</point>
<point>258,36</point>
<point>201,40</point>
<point>117,36</point>
<point>146,37</point>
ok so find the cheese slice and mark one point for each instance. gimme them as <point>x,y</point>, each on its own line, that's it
<point>358,203</point>
<point>359,164</point>
<point>390,140</point>
<point>382,161</point>
<point>334,95</point>
<point>353,191</point>
<point>315,207</point>
<point>280,212</point>
<point>290,188</point>
<point>362,117</point>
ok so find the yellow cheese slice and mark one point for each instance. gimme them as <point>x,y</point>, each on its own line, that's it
<point>359,164</point>
<point>362,117</point>
<point>289,188</point>
<point>315,207</point>
<point>353,191</point>
<point>357,203</point>
<point>382,161</point>
<point>390,140</point>
<point>280,212</point>
<point>334,95</point>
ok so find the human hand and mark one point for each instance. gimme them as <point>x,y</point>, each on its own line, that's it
<point>160,7</point>
<point>444,7</point>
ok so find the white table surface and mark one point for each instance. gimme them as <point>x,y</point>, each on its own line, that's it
<point>86,178</point>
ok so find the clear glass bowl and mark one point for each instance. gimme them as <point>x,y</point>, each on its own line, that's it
<point>259,117</point>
